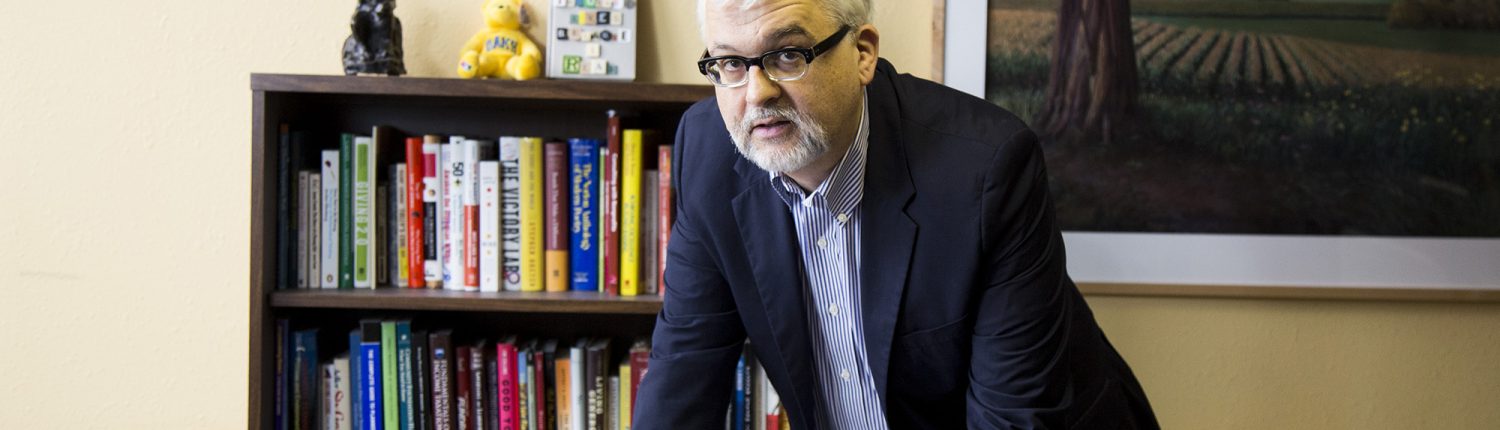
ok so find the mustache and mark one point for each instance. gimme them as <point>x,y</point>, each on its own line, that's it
<point>774,113</point>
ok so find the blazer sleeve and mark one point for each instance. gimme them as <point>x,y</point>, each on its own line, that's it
<point>699,335</point>
<point>1018,375</point>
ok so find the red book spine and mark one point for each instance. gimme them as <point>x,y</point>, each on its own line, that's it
<point>639,357</point>
<point>508,404</point>
<point>414,213</point>
<point>663,213</point>
<point>557,236</point>
<point>464,371</point>
<point>539,389</point>
<point>611,211</point>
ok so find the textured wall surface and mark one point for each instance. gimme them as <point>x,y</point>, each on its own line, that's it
<point>124,234</point>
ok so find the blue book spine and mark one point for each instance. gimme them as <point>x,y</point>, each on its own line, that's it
<point>306,410</point>
<point>584,172</point>
<point>356,381</point>
<point>738,422</point>
<point>283,360</point>
<point>369,352</point>
<point>404,375</point>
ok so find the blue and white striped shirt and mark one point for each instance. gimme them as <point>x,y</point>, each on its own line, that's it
<point>827,222</point>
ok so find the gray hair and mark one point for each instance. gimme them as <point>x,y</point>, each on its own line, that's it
<point>852,13</point>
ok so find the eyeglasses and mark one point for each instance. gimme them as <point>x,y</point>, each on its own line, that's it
<point>785,64</point>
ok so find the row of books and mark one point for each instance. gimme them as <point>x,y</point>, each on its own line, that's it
<point>512,214</point>
<point>392,377</point>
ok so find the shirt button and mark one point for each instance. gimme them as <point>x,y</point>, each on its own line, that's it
<point>833,309</point>
<point>843,218</point>
<point>822,243</point>
<point>845,374</point>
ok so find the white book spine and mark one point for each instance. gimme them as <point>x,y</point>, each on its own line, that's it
<point>398,260</point>
<point>575,383</point>
<point>470,188</point>
<point>489,226</point>
<point>364,212</point>
<point>315,234</point>
<point>432,192</point>
<point>303,215</point>
<point>453,267</point>
<point>510,210</point>
<point>343,401</point>
<point>328,248</point>
<point>612,414</point>
<point>327,389</point>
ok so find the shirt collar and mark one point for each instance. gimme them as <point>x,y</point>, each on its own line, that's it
<point>844,188</point>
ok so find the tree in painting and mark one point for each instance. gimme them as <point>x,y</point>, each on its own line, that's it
<point>1091,86</point>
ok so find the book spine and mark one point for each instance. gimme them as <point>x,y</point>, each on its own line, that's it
<point>579,387</point>
<point>463,386</point>
<point>341,402</point>
<point>640,356</point>
<point>421,380</point>
<point>304,217</point>
<point>585,229</point>
<point>548,392</point>
<point>594,384</point>
<point>489,227</point>
<point>523,384</point>
<point>453,276</point>
<point>507,402</point>
<point>555,188</point>
<point>346,211</point>
<point>648,227</point>
<point>405,387</point>
<point>305,396</point>
<point>286,263</point>
<point>282,415</point>
<point>324,205</point>
<point>445,211</point>
<point>510,211</point>
<point>623,396</point>
<point>612,396</point>
<point>531,214</point>
<point>356,381</point>
<point>479,389</point>
<point>564,388</point>
<point>432,271</point>
<point>738,421</point>
<point>371,368</point>
<point>380,231</point>
<point>664,213</point>
<point>538,393</point>
<point>364,212</point>
<point>416,214</point>
<point>399,216</point>
<point>611,224</point>
<point>630,213</point>
<point>471,195</point>
<point>330,219</point>
<point>390,398</point>
<point>443,413</point>
<point>326,405</point>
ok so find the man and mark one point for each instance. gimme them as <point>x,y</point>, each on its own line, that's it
<point>886,244</point>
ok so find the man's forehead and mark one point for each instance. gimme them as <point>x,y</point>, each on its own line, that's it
<point>730,28</point>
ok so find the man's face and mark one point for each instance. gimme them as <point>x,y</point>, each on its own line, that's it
<point>785,126</point>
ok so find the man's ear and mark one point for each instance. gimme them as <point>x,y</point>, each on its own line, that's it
<point>867,41</point>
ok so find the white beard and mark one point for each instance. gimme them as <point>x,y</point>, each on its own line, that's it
<point>809,142</point>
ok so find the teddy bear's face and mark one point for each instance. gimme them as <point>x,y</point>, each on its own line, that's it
<point>503,13</point>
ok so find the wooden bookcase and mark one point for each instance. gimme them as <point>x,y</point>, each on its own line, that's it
<point>332,104</point>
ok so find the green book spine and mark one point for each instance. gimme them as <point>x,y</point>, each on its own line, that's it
<point>404,374</point>
<point>364,213</point>
<point>346,211</point>
<point>390,400</point>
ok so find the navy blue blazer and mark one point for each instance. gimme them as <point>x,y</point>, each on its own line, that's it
<point>970,317</point>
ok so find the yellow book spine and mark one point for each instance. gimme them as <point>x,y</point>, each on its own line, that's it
<point>630,213</point>
<point>531,214</point>
<point>625,388</point>
<point>557,280</point>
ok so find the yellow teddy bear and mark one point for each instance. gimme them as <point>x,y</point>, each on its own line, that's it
<point>502,50</point>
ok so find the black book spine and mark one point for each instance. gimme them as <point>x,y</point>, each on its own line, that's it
<point>286,255</point>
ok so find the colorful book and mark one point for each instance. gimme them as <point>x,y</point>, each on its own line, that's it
<point>532,214</point>
<point>405,387</point>
<point>508,405</point>
<point>443,413</point>
<point>510,212</point>
<point>452,210</point>
<point>397,218</point>
<point>463,388</point>
<point>356,381</point>
<point>469,188</point>
<point>555,191</point>
<point>489,270</point>
<point>664,215</point>
<point>364,212</point>
<point>372,366</point>
<point>338,397</point>
<point>416,214</point>
<point>432,231</point>
<point>584,170</point>
<point>390,398</point>
<point>329,237</point>
<point>630,213</point>
<point>305,379</point>
<point>623,395</point>
<point>610,224</point>
<point>563,371</point>
<point>346,210</point>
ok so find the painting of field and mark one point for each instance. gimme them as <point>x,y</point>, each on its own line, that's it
<point>1272,117</point>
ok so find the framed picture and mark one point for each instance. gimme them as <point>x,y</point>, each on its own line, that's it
<point>1351,145</point>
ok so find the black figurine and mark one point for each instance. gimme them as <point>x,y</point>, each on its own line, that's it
<point>374,47</point>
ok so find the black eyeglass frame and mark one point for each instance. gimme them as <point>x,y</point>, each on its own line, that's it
<point>807,53</point>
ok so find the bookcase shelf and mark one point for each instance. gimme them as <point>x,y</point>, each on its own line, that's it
<point>327,105</point>
<point>405,299</point>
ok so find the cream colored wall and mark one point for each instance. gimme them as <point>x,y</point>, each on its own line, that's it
<point>124,234</point>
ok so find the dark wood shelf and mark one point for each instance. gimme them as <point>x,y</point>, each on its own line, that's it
<point>533,90</point>
<point>446,300</point>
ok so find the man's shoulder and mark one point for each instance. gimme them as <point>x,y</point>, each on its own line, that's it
<point>952,113</point>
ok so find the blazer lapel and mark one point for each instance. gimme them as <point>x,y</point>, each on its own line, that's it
<point>770,244</point>
<point>887,231</point>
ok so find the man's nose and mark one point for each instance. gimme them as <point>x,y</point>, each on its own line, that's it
<point>760,89</point>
